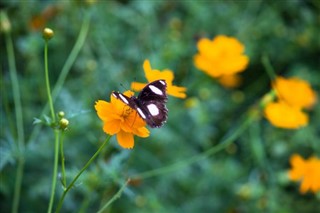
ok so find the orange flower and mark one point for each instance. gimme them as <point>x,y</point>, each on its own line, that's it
<point>153,75</point>
<point>295,91</point>
<point>39,21</point>
<point>221,56</point>
<point>120,119</point>
<point>283,115</point>
<point>230,81</point>
<point>306,171</point>
<point>293,96</point>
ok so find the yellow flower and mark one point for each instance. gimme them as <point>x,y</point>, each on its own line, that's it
<point>282,115</point>
<point>306,171</point>
<point>120,119</point>
<point>295,91</point>
<point>221,56</point>
<point>153,75</point>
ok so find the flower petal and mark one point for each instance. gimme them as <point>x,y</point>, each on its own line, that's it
<point>136,86</point>
<point>230,81</point>
<point>111,127</point>
<point>221,56</point>
<point>153,75</point>
<point>179,92</point>
<point>282,115</point>
<point>295,92</point>
<point>125,139</point>
<point>142,132</point>
<point>298,167</point>
<point>103,109</point>
<point>307,171</point>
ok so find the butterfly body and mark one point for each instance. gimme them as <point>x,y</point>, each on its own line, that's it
<point>150,103</point>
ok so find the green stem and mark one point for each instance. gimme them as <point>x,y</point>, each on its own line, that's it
<point>64,181</point>
<point>256,145</point>
<point>56,131</point>
<point>222,145</point>
<point>114,197</point>
<point>20,144</point>
<point>65,70</point>
<point>18,183</point>
<point>46,70</point>
<point>81,171</point>
<point>268,67</point>
<point>55,169</point>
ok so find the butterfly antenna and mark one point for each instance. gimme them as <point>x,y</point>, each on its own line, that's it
<point>124,87</point>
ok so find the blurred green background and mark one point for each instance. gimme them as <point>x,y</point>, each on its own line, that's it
<point>247,176</point>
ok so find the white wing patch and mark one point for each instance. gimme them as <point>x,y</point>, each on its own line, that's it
<point>162,82</point>
<point>155,90</point>
<point>123,99</point>
<point>153,109</point>
<point>141,113</point>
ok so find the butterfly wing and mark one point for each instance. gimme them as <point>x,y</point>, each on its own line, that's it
<point>130,101</point>
<point>155,90</point>
<point>151,102</point>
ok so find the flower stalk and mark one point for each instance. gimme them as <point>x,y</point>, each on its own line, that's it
<point>268,67</point>
<point>224,143</point>
<point>46,70</point>
<point>80,172</point>
<point>47,35</point>
<point>63,171</point>
<point>65,69</point>
<point>20,142</point>
<point>114,197</point>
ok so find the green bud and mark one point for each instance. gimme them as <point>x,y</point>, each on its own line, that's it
<point>61,114</point>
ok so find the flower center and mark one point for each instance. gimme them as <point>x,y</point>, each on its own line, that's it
<point>126,112</point>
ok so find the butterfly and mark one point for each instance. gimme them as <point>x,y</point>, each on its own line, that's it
<point>150,103</point>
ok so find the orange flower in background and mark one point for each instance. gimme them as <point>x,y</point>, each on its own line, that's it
<point>221,56</point>
<point>307,171</point>
<point>39,21</point>
<point>295,91</point>
<point>120,119</point>
<point>230,81</point>
<point>153,75</point>
<point>282,115</point>
<point>293,96</point>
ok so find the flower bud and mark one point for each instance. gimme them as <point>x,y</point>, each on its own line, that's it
<point>47,33</point>
<point>63,123</point>
<point>61,114</point>
<point>268,98</point>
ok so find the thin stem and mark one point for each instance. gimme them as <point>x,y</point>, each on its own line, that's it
<point>222,145</point>
<point>56,131</point>
<point>66,69</point>
<point>268,67</point>
<point>256,145</point>
<point>20,144</point>
<point>64,181</point>
<point>114,197</point>
<point>81,171</point>
<point>46,70</point>
<point>55,169</point>
<point>17,186</point>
